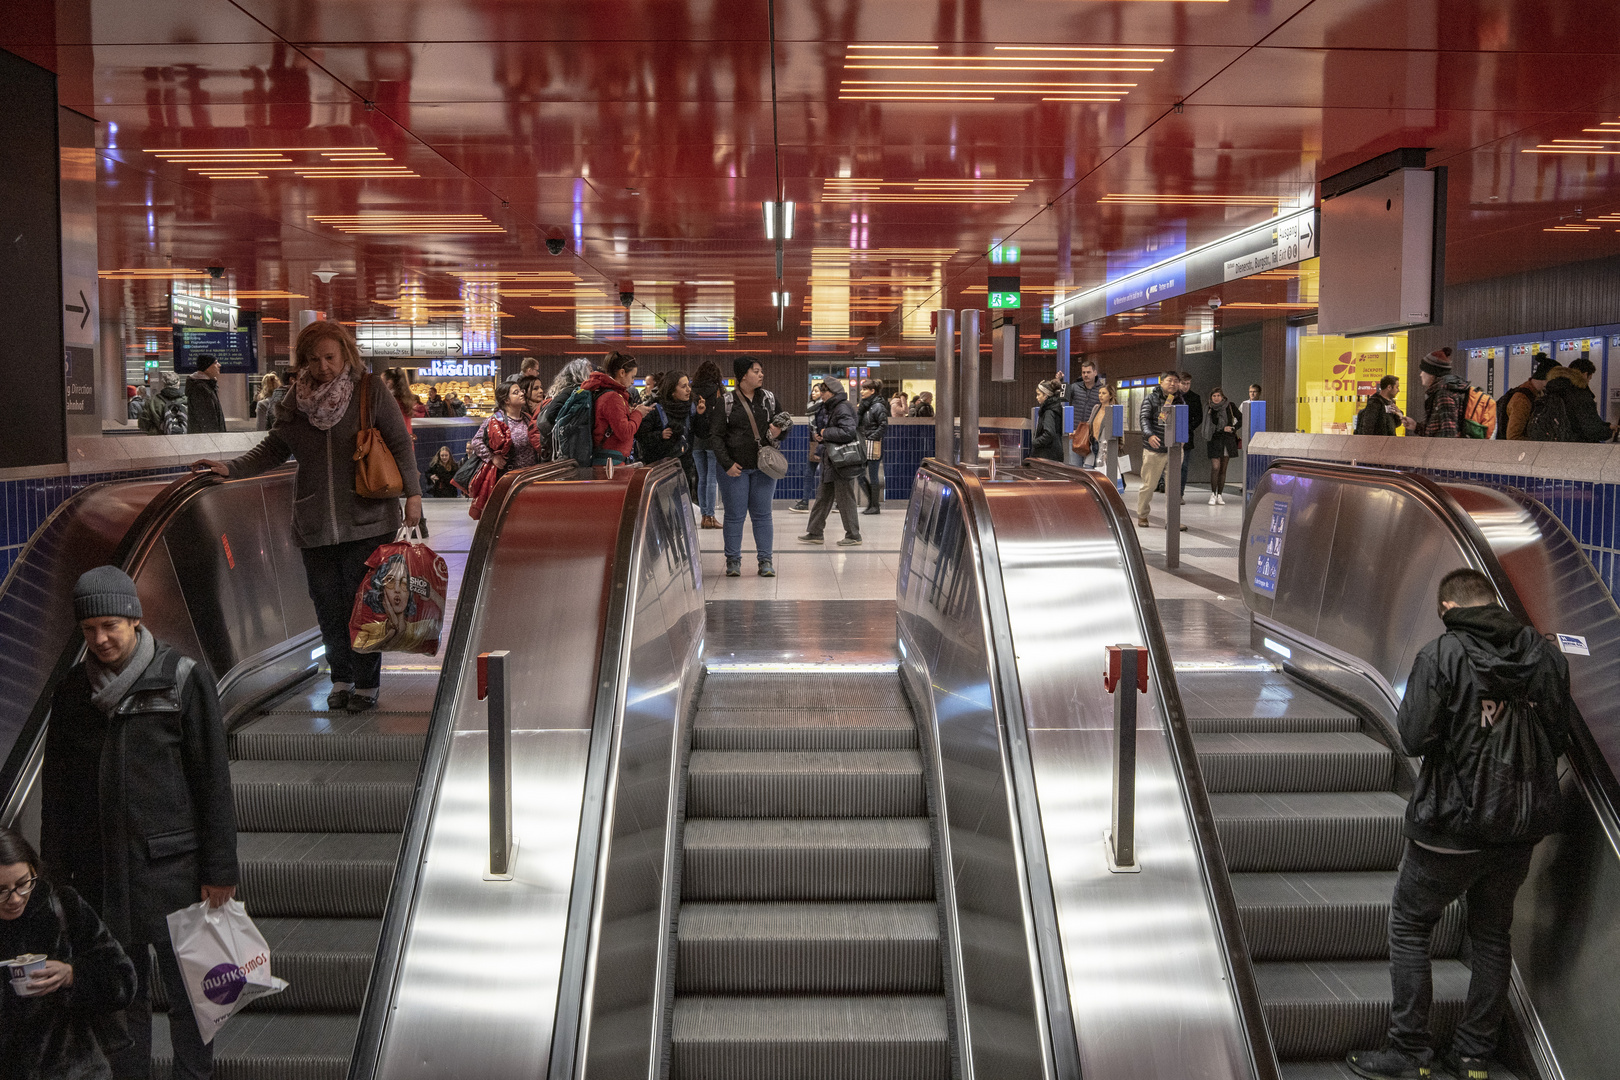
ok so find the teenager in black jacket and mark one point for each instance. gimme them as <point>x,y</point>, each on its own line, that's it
<point>1048,440</point>
<point>835,483</point>
<point>873,424</point>
<point>1488,679</point>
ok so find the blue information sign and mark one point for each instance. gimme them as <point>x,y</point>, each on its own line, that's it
<point>1271,524</point>
<point>236,350</point>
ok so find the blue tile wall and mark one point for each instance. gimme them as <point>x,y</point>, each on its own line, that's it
<point>904,448</point>
<point>1585,508</point>
<point>25,504</point>
<point>453,435</point>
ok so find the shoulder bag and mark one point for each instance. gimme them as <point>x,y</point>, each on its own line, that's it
<point>771,460</point>
<point>376,473</point>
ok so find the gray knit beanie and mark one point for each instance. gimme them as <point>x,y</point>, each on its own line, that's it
<point>104,591</point>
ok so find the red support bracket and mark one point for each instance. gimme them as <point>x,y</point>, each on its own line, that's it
<point>483,675</point>
<point>1116,665</point>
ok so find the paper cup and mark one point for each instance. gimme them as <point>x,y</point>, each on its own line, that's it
<point>23,967</point>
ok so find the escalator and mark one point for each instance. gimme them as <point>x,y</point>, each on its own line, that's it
<point>809,934</point>
<point>319,797</point>
<point>1291,718</point>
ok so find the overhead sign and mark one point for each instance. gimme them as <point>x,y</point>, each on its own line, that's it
<point>440,369</point>
<point>236,350</point>
<point>1049,343</point>
<point>1006,300</point>
<point>203,313</point>
<point>1281,241</point>
<point>1006,291</point>
<point>440,337</point>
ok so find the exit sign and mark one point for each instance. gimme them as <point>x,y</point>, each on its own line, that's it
<point>1005,254</point>
<point>1005,300</point>
<point>1049,343</point>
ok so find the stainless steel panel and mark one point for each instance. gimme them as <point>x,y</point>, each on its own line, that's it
<point>1143,974</point>
<point>594,589</point>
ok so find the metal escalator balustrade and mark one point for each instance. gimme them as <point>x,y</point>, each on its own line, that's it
<point>809,935</point>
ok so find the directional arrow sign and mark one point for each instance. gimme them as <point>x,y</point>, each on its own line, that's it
<point>83,306</point>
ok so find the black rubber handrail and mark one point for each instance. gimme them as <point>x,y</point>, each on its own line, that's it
<point>1184,757</point>
<point>1060,1030</point>
<point>378,1001</point>
<point>1591,768</point>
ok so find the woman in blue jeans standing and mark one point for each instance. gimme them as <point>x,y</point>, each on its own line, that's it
<point>748,420</point>
<point>706,394</point>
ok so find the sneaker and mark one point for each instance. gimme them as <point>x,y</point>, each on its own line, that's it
<point>850,541</point>
<point>1465,1068</point>
<point>359,702</point>
<point>337,700</point>
<point>1212,500</point>
<point>1389,1064</point>
<point>733,568</point>
<point>808,539</point>
<point>1220,500</point>
<point>767,569</point>
<point>801,507</point>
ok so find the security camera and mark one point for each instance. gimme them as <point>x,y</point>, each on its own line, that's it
<point>627,298</point>
<point>216,271</point>
<point>554,241</point>
<point>1214,302</point>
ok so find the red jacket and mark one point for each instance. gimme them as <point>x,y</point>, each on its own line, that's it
<point>615,422</point>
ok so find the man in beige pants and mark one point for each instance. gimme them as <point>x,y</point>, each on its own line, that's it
<point>1154,420</point>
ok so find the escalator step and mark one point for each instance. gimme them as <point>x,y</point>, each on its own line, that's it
<point>813,859</point>
<point>1338,1070</point>
<point>323,796</point>
<point>316,875</point>
<point>1322,1011</point>
<point>330,737</point>
<point>1310,831</point>
<point>1327,916</point>
<point>270,1046</point>
<point>843,783</point>
<point>1324,761</point>
<point>326,961</point>
<point>757,692</point>
<point>790,729</point>
<point>823,948</point>
<point>788,1038</point>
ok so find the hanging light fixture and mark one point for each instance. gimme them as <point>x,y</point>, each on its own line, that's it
<point>778,220</point>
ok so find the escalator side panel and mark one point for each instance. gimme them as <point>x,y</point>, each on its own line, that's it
<point>1141,951</point>
<point>544,597</point>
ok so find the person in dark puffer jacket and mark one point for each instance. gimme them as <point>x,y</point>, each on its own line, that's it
<point>840,427</point>
<point>873,425</point>
<point>1481,672</point>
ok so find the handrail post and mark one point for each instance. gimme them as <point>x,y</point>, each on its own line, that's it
<point>1125,675</point>
<point>945,387</point>
<point>1111,443</point>
<point>492,685</point>
<point>1175,436</point>
<point>967,377</point>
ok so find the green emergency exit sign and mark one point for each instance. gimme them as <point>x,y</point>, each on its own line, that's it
<point>1006,300</point>
<point>1049,343</point>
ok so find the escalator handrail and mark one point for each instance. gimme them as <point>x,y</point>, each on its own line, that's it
<point>1184,757</point>
<point>581,939</point>
<point>1054,1010</point>
<point>375,1006</point>
<point>1596,779</point>
<point>130,555</point>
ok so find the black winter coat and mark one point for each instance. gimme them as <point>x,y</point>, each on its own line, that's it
<point>839,426</point>
<point>1376,419</point>
<point>731,435</point>
<point>1485,654</point>
<point>1580,405</point>
<point>874,417</point>
<point>1152,416</point>
<point>1048,441</point>
<point>202,402</point>
<point>137,808</point>
<point>55,1035</point>
<point>651,445</point>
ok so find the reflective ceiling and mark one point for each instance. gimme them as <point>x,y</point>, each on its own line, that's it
<point>424,149</point>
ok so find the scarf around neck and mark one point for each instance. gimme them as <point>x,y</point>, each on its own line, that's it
<point>324,405</point>
<point>108,687</point>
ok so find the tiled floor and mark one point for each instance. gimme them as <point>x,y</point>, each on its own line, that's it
<point>810,571</point>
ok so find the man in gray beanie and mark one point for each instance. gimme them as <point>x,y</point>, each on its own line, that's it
<point>137,809</point>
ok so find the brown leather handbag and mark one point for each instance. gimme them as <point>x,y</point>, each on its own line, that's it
<point>376,473</point>
<point>1080,438</point>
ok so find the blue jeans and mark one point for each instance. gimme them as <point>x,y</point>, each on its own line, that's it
<point>748,495</point>
<point>708,473</point>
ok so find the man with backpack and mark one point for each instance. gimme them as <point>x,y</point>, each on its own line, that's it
<point>1452,409</point>
<point>1566,411</point>
<point>597,425</point>
<point>1487,707</point>
<point>1516,405</point>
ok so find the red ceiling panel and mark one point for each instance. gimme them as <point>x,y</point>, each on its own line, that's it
<point>251,134</point>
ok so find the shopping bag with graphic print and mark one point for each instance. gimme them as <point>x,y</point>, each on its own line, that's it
<point>400,604</point>
<point>224,961</point>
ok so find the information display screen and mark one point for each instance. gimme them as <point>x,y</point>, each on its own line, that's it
<point>236,350</point>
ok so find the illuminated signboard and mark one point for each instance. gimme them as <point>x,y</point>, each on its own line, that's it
<point>1003,300</point>
<point>202,312</point>
<point>440,369</point>
<point>1005,254</point>
<point>1049,343</point>
<point>439,337</point>
<point>1005,291</point>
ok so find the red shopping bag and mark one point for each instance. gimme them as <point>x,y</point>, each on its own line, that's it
<point>400,605</point>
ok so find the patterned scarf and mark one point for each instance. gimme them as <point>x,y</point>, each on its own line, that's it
<point>323,405</point>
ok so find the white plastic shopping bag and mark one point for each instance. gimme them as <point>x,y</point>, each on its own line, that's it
<point>224,960</point>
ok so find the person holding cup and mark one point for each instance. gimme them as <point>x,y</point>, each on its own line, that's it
<point>67,973</point>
